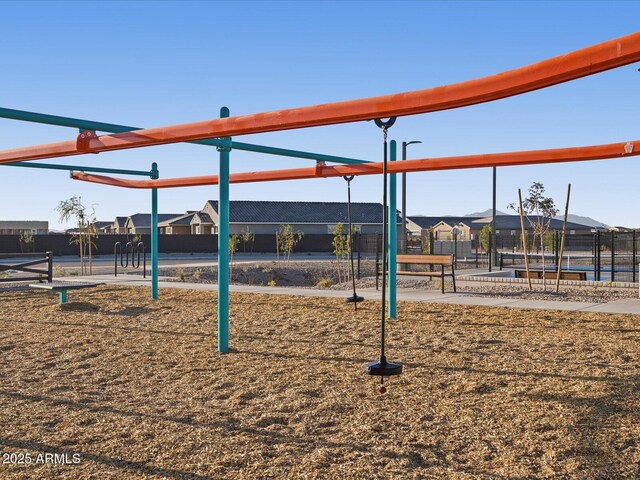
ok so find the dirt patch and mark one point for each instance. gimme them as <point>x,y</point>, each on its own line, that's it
<point>316,274</point>
<point>323,274</point>
<point>566,294</point>
<point>138,391</point>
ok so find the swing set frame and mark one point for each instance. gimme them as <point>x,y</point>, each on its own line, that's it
<point>219,132</point>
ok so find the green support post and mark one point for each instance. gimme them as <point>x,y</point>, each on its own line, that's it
<point>154,234</point>
<point>223,242</point>
<point>62,296</point>
<point>393,233</point>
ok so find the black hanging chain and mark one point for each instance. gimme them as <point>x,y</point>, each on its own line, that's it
<point>384,125</point>
<point>353,272</point>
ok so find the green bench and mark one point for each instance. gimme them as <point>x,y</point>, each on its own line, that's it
<point>61,288</point>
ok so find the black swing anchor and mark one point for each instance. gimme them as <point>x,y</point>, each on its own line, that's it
<point>355,298</point>
<point>382,367</point>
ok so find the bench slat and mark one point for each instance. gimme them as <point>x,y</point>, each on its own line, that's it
<point>426,259</point>
<point>57,286</point>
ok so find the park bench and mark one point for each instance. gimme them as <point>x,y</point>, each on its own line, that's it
<point>61,288</point>
<point>444,261</point>
<point>552,275</point>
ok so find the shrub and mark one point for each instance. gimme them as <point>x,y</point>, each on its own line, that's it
<point>58,271</point>
<point>180,273</point>
<point>324,283</point>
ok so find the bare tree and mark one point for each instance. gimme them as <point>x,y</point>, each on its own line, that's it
<point>539,211</point>
<point>73,208</point>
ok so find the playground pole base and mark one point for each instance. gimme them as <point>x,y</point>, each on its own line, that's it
<point>354,299</point>
<point>382,368</point>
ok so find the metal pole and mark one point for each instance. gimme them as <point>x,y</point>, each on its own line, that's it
<point>613,256</point>
<point>223,243</point>
<point>405,231</point>
<point>81,124</point>
<point>404,201</point>
<point>392,218</point>
<point>154,234</point>
<point>598,258</point>
<point>494,253</point>
<point>564,232</point>
<point>633,256</point>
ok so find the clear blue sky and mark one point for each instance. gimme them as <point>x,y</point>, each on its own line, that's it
<point>161,63</point>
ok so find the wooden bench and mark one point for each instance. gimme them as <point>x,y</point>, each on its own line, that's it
<point>61,288</point>
<point>552,275</point>
<point>423,259</point>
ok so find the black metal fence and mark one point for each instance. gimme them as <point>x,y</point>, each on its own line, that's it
<point>60,244</point>
<point>605,256</point>
<point>20,267</point>
<point>467,254</point>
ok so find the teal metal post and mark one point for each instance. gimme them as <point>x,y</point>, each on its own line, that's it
<point>393,233</point>
<point>223,242</point>
<point>62,296</point>
<point>77,168</point>
<point>154,234</point>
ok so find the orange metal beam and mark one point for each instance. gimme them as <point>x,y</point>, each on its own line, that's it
<point>558,155</point>
<point>577,64</point>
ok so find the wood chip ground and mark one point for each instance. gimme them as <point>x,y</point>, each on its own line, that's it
<point>136,388</point>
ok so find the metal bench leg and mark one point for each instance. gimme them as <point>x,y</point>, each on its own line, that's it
<point>377,275</point>
<point>62,296</point>
<point>453,277</point>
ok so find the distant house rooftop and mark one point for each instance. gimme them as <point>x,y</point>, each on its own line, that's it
<point>512,222</point>
<point>142,220</point>
<point>503,222</point>
<point>272,212</point>
<point>427,222</point>
<point>185,219</point>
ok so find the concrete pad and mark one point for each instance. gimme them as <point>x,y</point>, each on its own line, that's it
<point>625,305</point>
<point>549,305</point>
<point>473,300</point>
<point>628,306</point>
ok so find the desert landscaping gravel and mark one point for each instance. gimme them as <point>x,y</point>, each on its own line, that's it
<point>137,390</point>
<point>322,274</point>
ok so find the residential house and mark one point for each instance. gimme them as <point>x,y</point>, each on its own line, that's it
<point>180,225</point>
<point>140,223</point>
<point>265,217</point>
<point>17,227</point>
<point>510,225</point>
<point>117,226</point>
<point>469,227</point>
<point>442,227</point>
<point>102,227</point>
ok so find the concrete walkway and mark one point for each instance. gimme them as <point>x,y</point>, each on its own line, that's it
<point>629,305</point>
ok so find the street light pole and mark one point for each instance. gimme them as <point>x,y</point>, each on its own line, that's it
<point>404,196</point>
<point>493,254</point>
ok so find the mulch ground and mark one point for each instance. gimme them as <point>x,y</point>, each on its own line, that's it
<point>136,388</point>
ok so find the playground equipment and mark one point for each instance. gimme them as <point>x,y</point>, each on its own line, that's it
<point>382,367</point>
<point>504,159</point>
<point>218,132</point>
<point>355,298</point>
<point>124,257</point>
<point>587,61</point>
<point>61,288</point>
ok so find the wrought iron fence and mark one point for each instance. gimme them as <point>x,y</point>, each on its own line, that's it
<point>605,256</point>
